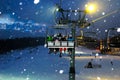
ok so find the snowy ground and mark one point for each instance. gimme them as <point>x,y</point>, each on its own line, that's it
<point>37,64</point>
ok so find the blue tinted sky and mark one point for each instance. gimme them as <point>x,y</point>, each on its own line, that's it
<point>42,12</point>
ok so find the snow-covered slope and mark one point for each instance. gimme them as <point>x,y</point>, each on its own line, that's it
<point>37,64</point>
<point>84,50</point>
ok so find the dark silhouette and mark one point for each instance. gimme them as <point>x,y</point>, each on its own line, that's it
<point>60,55</point>
<point>89,65</point>
<point>7,45</point>
<point>111,62</point>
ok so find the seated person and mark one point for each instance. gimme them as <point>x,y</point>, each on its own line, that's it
<point>55,37</point>
<point>63,38</point>
<point>59,36</point>
<point>70,38</point>
<point>51,50</point>
<point>49,38</point>
<point>70,50</point>
<point>89,65</point>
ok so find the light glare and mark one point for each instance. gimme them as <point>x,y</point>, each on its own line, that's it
<point>91,8</point>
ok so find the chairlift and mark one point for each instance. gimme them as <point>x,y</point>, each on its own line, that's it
<point>59,40</point>
<point>114,39</point>
<point>87,38</point>
<point>90,36</point>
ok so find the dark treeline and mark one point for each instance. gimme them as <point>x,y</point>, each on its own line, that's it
<point>20,43</point>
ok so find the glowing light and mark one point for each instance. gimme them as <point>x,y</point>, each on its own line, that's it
<point>98,78</point>
<point>91,8</point>
<point>101,57</point>
<point>27,78</point>
<point>52,10</point>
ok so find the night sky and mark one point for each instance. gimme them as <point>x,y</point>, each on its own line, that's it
<point>40,13</point>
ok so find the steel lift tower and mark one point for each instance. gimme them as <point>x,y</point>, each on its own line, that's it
<point>65,17</point>
<point>62,18</point>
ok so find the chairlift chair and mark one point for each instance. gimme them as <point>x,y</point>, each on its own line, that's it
<point>58,40</point>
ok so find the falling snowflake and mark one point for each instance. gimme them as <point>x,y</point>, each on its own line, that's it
<point>36,1</point>
<point>13,13</point>
<point>103,13</point>
<point>36,13</point>
<point>21,8</point>
<point>56,70</point>
<point>106,30</point>
<point>33,72</point>
<point>104,21</point>
<point>88,27</point>
<point>20,3</point>
<point>112,69</point>
<point>24,70</point>
<point>118,30</point>
<point>32,57</point>
<point>97,29</point>
<point>113,16</point>
<point>61,71</point>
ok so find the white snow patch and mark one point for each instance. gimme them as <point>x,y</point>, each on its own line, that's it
<point>46,66</point>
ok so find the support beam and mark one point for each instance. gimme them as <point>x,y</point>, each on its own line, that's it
<point>72,58</point>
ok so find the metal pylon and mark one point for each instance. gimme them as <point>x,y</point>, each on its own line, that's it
<point>72,58</point>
